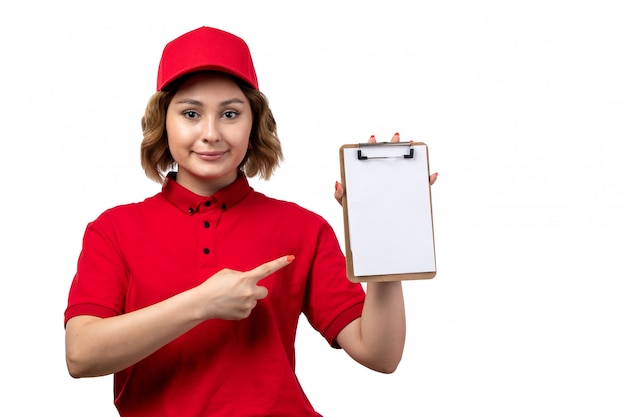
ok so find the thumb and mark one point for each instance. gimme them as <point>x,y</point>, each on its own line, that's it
<point>338,191</point>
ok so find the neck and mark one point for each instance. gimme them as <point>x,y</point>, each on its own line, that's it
<point>202,186</point>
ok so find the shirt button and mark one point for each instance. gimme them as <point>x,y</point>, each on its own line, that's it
<point>206,251</point>
<point>207,203</point>
<point>206,225</point>
<point>190,210</point>
<point>223,206</point>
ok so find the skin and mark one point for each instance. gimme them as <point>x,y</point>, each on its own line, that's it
<point>376,339</point>
<point>208,125</point>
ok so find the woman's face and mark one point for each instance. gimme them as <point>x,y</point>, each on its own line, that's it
<point>208,125</point>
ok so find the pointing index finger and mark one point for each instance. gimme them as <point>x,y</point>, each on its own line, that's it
<point>270,267</point>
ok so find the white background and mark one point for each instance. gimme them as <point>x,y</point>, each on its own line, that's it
<point>523,107</point>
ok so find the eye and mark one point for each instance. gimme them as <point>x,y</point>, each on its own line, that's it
<point>230,114</point>
<point>191,114</point>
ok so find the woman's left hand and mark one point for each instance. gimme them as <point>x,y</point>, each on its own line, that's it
<point>396,138</point>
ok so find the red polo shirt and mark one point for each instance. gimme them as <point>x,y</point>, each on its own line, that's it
<point>139,254</point>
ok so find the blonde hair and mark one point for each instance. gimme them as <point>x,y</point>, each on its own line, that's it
<point>262,158</point>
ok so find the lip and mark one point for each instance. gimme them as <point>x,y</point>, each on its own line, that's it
<point>210,156</point>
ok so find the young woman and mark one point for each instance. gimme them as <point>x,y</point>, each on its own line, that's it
<point>191,297</point>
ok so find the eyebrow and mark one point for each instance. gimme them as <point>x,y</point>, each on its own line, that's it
<point>199,103</point>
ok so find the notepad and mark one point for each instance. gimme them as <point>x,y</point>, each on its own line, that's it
<point>387,211</point>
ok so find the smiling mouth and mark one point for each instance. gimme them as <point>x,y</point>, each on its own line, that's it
<point>210,156</point>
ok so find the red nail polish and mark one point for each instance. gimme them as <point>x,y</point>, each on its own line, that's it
<point>290,258</point>
<point>396,134</point>
<point>336,185</point>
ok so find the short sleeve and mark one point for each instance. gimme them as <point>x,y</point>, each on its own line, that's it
<point>100,283</point>
<point>332,301</point>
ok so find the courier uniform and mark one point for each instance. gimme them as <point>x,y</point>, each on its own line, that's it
<point>136,255</point>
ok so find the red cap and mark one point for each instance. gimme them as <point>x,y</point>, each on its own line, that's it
<point>206,49</point>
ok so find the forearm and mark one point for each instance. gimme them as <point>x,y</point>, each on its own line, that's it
<point>383,322</point>
<point>96,346</point>
<point>376,340</point>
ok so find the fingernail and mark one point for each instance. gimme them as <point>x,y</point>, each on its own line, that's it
<point>336,185</point>
<point>410,141</point>
<point>396,134</point>
<point>372,137</point>
<point>290,258</point>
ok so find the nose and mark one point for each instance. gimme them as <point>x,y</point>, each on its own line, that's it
<point>210,130</point>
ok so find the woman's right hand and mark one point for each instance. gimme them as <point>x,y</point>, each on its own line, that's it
<point>97,346</point>
<point>231,295</point>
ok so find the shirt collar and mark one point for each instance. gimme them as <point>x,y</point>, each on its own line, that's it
<point>190,202</point>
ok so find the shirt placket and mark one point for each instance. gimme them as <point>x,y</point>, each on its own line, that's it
<point>207,218</point>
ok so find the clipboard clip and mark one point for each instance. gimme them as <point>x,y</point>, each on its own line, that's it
<point>362,157</point>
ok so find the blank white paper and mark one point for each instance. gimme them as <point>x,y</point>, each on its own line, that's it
<point>389,210</point>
